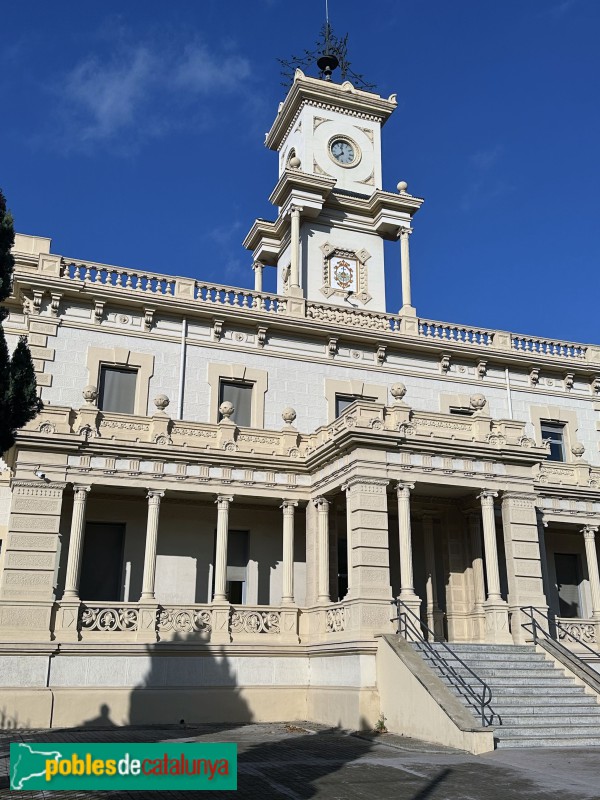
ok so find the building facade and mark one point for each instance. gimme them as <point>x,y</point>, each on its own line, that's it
<point>227,487</point>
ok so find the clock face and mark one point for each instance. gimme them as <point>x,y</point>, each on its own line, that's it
<point>343,152</point>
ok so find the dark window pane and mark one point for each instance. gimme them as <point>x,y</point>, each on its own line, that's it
<point>342,401</point>
<point>555,433</point>
<point>567,583</point>
<point>240,395</point>
<point>117,389</point>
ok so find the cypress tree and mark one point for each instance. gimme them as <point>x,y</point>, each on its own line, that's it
<point>19,402</point>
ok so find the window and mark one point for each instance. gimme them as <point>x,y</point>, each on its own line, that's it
<point>568,578</point>
<point>240,395</point>
<point>342,401</point>
<point>117,389</point>
<point>555,431</point>
<point>463,412</point>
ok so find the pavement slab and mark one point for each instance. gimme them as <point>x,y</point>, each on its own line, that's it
<point>298,761</point>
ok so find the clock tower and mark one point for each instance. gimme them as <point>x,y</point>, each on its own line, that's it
<point>333,215</point>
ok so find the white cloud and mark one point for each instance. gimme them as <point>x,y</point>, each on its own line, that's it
<point>140,92</point>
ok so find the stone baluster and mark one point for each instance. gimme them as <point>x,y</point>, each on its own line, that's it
<point>220,595</point>
<point>322,506</point>
<point>154,498</point>
<point>287,596</point>
<point>80,494</point>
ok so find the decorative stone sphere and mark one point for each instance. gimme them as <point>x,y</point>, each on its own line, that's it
<point>226,409</point>
<point>398,391</point>
<point>295,162</point>
<point>578,449</point>
<point>161,401</point>
<point>402,187</point>
<point>90,394</point>
<point>478,402</point>
<point>289,415</point>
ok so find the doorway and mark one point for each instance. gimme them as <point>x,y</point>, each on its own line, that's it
<point>102,562</point>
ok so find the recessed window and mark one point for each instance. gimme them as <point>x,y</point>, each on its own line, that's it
<point>117,389</point>
<point>568,579</point>
<point>240,395</point>
<point>342,401</point>
<point>462,412</point>
<point>555,432</point>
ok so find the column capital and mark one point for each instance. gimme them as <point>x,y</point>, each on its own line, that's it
<point>355,481</point>
<point>288,506</point>
<point>487,497</point>
<point>406,232</point>
<point>80,491</point>
<point>321,503</point>
<point>257,265</point>
<point>589,532</point>
<point>296,209</point>
<point>403,489</point>
<point>223,501</point>
<point>154,496</point>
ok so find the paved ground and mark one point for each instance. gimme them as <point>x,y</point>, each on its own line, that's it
<point>301,760</point>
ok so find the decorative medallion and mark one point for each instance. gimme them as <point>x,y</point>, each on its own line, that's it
<point>345,273</point>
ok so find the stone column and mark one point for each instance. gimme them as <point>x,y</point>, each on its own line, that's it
<point>496,609</point>
<point>220,595</point>
<point>258,276</point>
<point>407,589</point>
<point>589,536</point>
<point>287,595</point>
<point>80,494</point>
<point>474,521</point>
<point>295,251</point>
<point>435,616</point>
<point>154,498</point>
<point>407,306</point>
<point>322,506</point>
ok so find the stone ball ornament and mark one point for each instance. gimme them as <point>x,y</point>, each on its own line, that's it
<point>90,394</point>
<point>398,391</point>
<point>578,450</point>
<point>226,409</point>
<point>295,162</point>
<point>289,415</point>
<point>477,402</point>
<point>161,401</point>
<point>402,187</point>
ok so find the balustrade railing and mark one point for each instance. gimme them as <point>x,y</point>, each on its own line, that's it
<point>547,347</point>
<point>445,331</point>
<point>584,631</point>
<point>188,619</point>
<point>335,619</point>
<point>217,295</point>
<point>117,277</point>
<point>255,621</point>
<point>108,618</point>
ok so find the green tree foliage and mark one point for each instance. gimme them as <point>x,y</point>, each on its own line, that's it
<point>19,402</point>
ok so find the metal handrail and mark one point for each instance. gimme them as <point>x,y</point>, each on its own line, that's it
<point>480,701</point>
<point>535,628</point>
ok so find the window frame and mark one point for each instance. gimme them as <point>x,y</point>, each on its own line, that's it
<point>556,427</point>
<point>98,357</point>
<point>101,386</point>
<point>241,374</point>
<point>244,384</point>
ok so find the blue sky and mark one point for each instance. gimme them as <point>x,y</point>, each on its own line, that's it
<point>132,134</point>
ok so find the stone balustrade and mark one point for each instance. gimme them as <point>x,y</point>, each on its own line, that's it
<point>168,288</point>
<point>121,621</point>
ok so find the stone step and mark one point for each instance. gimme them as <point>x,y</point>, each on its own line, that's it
<point>553,682</point>
<point>538,670</point>
<point>472,658</point>
<point>560,720</point>
<point>526,708</point>
<point>549,741</point>
<point>563,694</point>
<point>464,647</point>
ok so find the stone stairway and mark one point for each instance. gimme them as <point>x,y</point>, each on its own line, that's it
<point>538,705</point>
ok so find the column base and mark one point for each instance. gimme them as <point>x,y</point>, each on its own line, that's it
<point>147,630</point>
<point>221,613</point>
<point>435,622</point>
<point>408,311</point>
<point>413,603</point>
<point>496,622</point>
<point>67,621</point>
